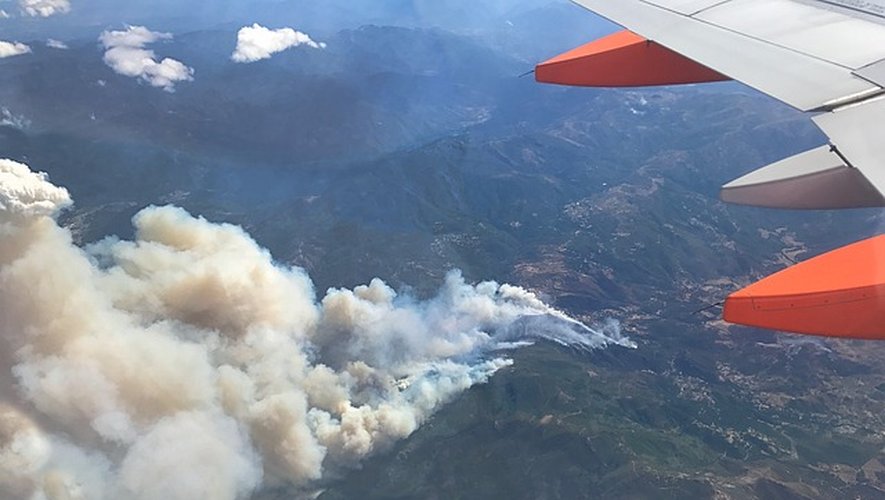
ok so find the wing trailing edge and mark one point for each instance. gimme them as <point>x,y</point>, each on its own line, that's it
<point>623,59</point>
<point>818,179</point>
<point>838,294</point>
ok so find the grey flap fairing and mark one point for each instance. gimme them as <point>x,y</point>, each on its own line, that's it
<point>816,179</point>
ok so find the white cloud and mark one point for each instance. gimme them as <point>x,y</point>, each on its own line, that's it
<point>257,42</point>
<point>56,44</point>
<point>4,14</point>
<point>126,54</point>
<point>188,364</point>
<point>44,8</point>
<point>9,49</point>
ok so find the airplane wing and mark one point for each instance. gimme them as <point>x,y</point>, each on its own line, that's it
<point>825,57</point>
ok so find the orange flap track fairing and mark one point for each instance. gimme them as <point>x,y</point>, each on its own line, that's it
<point>838,294</point>
<point>623,59</point>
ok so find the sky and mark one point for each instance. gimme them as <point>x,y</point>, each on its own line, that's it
<point>76,18</point>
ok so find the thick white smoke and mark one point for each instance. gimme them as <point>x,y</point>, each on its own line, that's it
<point>188,364</point>
<point>25,194</point>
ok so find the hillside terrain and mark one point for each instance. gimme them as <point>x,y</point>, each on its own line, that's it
<point>402,153</point>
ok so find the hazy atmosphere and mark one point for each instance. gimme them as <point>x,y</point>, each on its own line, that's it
<point>342,249</point>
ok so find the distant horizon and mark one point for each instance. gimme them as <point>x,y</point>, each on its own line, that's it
<point>86,18</point>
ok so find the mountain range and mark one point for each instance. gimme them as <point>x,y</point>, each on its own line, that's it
<point>405,152</point>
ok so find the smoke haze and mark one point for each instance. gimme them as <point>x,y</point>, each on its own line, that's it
<point>188,364</point>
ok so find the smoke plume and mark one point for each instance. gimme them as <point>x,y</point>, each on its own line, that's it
<point>188,364</point>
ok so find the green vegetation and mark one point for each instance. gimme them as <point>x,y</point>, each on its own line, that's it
<point>346,164</point>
